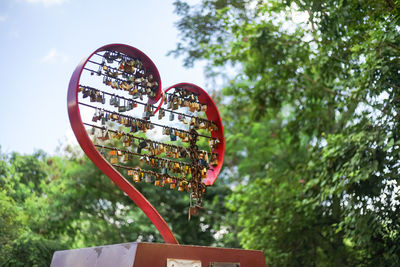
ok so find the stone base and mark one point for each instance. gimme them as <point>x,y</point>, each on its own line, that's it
<point>157,255</point>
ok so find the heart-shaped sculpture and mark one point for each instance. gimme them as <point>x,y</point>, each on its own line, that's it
<point>128,78</point>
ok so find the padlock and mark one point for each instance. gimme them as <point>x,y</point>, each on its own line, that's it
<point>118,135</point>
<point>143,127</point>
<point>113,160</point>
<point>181,188</point>
<point>121,108</point>
<point>193,210</point>
<point>114,116</point>
<point>136,177</point>
<point>192,108</point>
<point>160,148</point>
<point>143,144</point>
<point>202,162</point>
<point>214,161</point>
<point>204,173</point>
<point>147,179</point>
<point>146,115</point>
<point>95,117</point>
<point>105,136</point>
<point>176,166</point>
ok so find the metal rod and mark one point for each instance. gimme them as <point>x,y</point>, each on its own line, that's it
<point>196,94</point>
<point>138,154</point>
<point>144,121</point>
<point>137,137</point>
<point>110,94</point>
<point>149,172</point>
<point>173,94</point>
<point>116,78</point>
<point>121,54</point>
<point>141,103</point>
<point>122,72</point>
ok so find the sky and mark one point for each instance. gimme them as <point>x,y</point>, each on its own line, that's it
<point>42,41</point>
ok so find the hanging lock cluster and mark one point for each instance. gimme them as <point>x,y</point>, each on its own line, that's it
<point>122,120</point>
<point>122,72</point>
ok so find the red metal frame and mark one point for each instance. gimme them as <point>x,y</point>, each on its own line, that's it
<point>213,115</point>
<point>96,157</point>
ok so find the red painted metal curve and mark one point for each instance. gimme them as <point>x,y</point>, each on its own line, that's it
<point>161,102</point>
<point>90,150</point>
<point>213,115</point>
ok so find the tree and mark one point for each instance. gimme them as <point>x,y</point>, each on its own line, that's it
<point>311,123</point>
<point>51,203</point>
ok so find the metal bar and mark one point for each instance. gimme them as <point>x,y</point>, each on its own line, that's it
<point>138,102</point>
<point>116,78</point>
<point>138,154</point>
<point>144,121</point>
<point>137,137</point>
<point>149,172</point>
<point>118,61</point>
<point>118,70</point>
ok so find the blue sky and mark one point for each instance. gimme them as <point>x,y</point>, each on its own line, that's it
<point>42,41</point>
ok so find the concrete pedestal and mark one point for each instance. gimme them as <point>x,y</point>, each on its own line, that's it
<point>157,255</point>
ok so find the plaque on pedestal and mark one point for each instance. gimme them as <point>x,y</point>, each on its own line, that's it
<point>157,255</point>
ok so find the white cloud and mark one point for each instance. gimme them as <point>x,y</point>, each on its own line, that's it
<point>47,3</point>
<point>3,18</point>
<point>54,56</point>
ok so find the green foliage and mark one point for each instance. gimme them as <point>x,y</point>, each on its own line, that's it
<point>311,119</point>
<point>60,202</point>
<point>311,123</point>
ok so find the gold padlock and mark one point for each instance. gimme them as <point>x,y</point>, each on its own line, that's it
<point>136,177</point>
